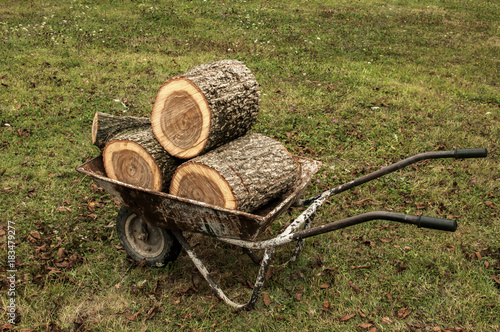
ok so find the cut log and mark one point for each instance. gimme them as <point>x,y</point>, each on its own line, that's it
<point>136,158</point>
<point>106,126</point>
<point>206,107</point>
<point>244,174</point>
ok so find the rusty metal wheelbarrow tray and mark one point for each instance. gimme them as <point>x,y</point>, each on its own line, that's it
<point>181,214</point>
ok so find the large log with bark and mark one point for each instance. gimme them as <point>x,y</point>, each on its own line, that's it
<point>243,174</point>
<point>135,157</point>
<point>106,126</point>
<point>206,107</point>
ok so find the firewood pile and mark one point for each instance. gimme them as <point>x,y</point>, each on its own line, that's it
<point>196,142</point>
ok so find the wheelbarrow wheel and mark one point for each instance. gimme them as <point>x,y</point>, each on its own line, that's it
<point>144,242</point>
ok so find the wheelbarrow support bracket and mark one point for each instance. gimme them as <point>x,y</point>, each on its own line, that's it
<point>261,276</point>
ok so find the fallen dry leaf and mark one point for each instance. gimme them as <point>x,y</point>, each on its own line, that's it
<point>61,263</point>
<point>356,288</point>
<point>35,234</point>
<point>365,325</point>
<point>43,247</point>
<point>496,278</point>
<point>37,278</point>
<point>361,202</point>
<point>152,312</point>
<point>402,313</point>
<point>298,276</point>
<point>416,325</point>
<point>134,316</point>
<point>298,295</point>
<point>325,285</point>
<point>361,313</point>
<point>267,299</point>
<point>31,239</point>
<point>329,271</point>
<point>62,252</point>
<point>490,204</point>
<point>421,205</point>
<point>6,327</point>
<point>51,270</point>
<point>386,320</point>
<point>346,317</point>
<point>326,304</point>
<point>269,274</point>
<point>46,255</point>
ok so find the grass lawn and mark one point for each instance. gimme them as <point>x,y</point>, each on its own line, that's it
<point>355,84</point>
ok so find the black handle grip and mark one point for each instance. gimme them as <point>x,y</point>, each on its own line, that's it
<point>470,153</point>
<point>437,223</point>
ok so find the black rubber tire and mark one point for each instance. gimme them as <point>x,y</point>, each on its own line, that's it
<point>143,241</point>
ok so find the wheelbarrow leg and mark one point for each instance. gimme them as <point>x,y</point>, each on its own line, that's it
<point>261,276</point>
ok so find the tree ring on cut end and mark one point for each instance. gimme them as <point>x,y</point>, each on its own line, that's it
<point>180,118</point>
<point>128,162</point>
<point>204,184</point>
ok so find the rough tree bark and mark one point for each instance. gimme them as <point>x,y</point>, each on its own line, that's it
<point>106,126</point>
<point>244,174</point>
<point>206,107</point>
<point>135,157</point>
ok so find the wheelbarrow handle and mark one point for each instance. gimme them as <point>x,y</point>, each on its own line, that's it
<point>470,153</point>
<point>420,221</point>
<point>437,223</point>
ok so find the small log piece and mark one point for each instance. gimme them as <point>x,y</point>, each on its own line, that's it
<point>135,157</point>
<point>243,174</point>
<point>206,107</point>
<point>106,126</point>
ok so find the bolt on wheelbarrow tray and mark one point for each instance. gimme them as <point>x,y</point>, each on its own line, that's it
<point>154,216</point>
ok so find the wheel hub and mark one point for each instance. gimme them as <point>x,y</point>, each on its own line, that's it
<point>147,240</point>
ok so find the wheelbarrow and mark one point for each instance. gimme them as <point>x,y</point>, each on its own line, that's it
<point>150,223</point>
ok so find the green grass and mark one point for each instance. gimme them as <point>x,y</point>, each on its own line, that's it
<point>357,85</point>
